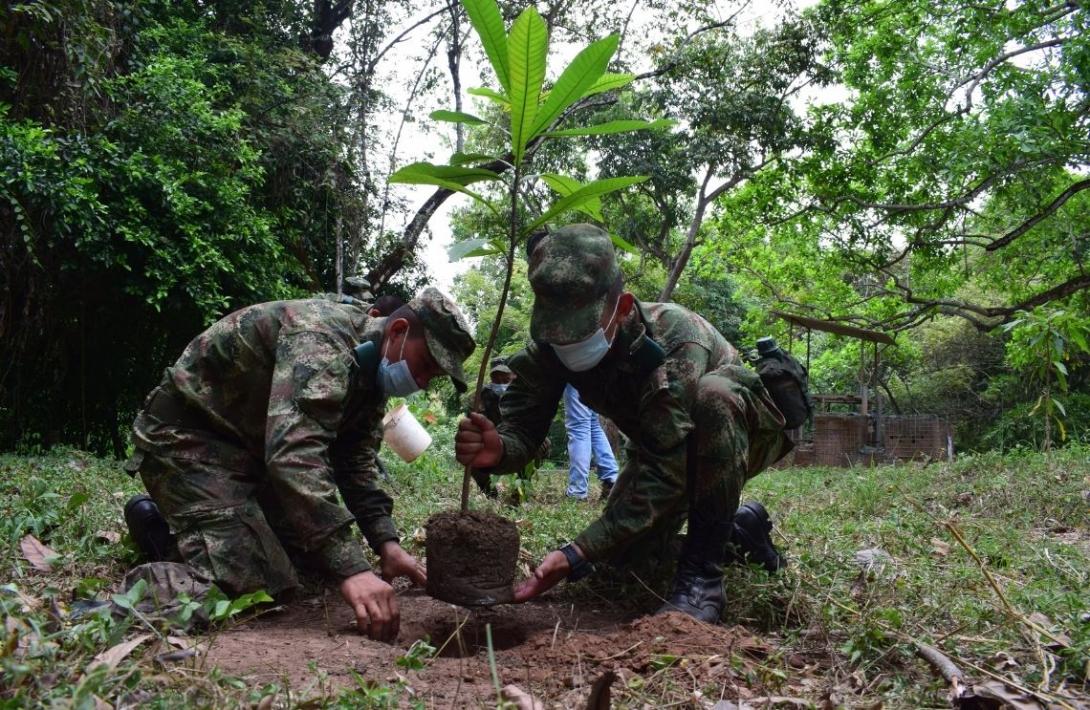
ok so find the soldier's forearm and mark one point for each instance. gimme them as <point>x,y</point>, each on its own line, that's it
<point>342,556</point>
<point>378,530</point>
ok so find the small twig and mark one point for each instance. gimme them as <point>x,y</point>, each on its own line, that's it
<point>457,632</point>
<point>620,653</point>
<point>556,630</point>
<point>999,592</point>
<point>940,661</point>
<point>644,585</point>
<point>1046,698</point>
<point>492,664</point>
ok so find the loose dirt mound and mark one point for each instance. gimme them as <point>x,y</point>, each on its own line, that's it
<point>471,558</point>
<point>554,651</point>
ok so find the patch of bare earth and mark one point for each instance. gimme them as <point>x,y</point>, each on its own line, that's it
<point>554,651</point>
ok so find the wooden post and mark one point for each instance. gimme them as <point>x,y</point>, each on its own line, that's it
<point>863,377</point>
<point>877,401</point>
<point>808,332</point>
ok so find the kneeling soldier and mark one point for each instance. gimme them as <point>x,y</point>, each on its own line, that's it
<point>263,420</point>
<point>699,421</point>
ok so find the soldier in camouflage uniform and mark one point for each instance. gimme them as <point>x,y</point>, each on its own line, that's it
<point>500,376</point>
<point>699,421</point>
<point>270,414</point>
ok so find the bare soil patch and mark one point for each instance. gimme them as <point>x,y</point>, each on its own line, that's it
<point>554,651</point>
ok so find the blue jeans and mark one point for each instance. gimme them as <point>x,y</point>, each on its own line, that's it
<point>585,436</point>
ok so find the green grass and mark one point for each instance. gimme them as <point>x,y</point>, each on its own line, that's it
<point>846,631</point>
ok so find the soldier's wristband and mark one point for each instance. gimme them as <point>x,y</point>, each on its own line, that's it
<point>579,567</point>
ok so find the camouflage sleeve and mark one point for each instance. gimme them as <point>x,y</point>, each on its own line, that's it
<point>527,409</point>
<point>306,401</point>
<point>656,482</point>
<point>356,470</point>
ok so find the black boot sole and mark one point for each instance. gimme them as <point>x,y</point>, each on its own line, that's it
<point>752,539</point>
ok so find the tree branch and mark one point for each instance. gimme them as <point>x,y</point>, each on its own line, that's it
<point>327,18</point>
<point>401,37</point>
<point>1049,209</point>
<point>675,59</point>
<point>996,61</point>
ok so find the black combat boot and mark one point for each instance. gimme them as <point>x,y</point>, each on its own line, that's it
<point>751,541</point>
<point>698,582</point>
<point>607,488</point>
<point>149,530</point>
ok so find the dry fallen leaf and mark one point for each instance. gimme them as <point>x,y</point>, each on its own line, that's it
<point>521,699</point>
<point>28,602</point>
<point>940,548</point>
<point>114,655</point>
<point>108,536</point>
<point>1002,696</point>
<point>37,554</point>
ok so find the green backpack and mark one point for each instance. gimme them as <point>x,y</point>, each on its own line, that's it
<point>786,380</point>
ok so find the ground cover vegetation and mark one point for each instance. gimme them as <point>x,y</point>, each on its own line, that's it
<point>917,168</point>
<point>875,568</point>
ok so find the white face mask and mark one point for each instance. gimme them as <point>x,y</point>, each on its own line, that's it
<point>396,380</point>
<point>501,388</point>
<point>582,356</point>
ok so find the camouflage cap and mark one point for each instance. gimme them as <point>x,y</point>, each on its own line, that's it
<point>358,286</point>
<point>501,367</point>
<point>571,272</point>
<point>445,332</point>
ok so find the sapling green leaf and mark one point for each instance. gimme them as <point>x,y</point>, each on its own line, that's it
<point>582,196</point>
<point>458,117</point>
<point>490,94</point>
<point>587,67</point>
<point>609,82</point>
<point>487,20</point>
<point>611,127</point>
<point>527,47</point>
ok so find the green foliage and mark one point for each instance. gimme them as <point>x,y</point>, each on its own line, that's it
<point>417,655</point>
<point>932,185</point>
<point>160,170</point>
<point>519,62</point>
<point>1042,346</point>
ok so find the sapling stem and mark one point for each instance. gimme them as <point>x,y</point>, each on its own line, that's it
<point>512,243</point>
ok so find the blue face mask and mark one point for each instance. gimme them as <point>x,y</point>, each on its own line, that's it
<point>499,388</point>
<point>582,356</point>
<point>396,380</point>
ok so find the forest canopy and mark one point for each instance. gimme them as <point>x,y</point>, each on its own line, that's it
<point>917,168</point>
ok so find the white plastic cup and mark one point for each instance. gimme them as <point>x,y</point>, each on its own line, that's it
<point>403,433</point>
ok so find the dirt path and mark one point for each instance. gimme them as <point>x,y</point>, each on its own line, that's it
<point>553,651</point>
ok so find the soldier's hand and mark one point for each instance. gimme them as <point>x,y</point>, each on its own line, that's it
<point>374,604</point>
<point>552,570</point>
<point>477,443</point>
<point>398,563</point>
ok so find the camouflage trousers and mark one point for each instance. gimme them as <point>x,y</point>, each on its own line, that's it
<point>738,433</point>
<point>225,524</point>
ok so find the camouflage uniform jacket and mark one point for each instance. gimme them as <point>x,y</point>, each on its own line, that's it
<point>490,403</point>
<point>279,396</point>
<point>650,404</point>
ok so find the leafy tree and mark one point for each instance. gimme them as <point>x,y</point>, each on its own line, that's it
<point>1044,343</point>
<point>734,95</point>
<point>950,179</point>
<point>162,163</point>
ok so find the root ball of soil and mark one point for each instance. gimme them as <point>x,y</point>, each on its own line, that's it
<point>471,558</point>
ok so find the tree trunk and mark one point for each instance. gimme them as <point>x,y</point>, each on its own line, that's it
<point>686,251</point>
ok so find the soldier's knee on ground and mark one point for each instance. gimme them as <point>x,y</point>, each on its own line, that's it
<point>237,549</point>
